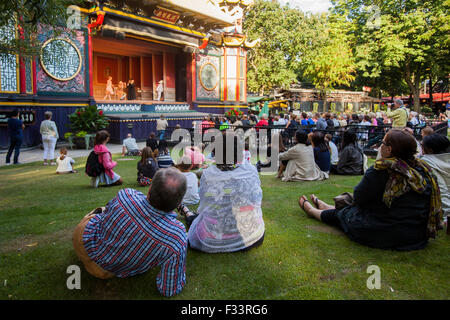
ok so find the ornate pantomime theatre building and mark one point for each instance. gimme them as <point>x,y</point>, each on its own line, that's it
<point>194,50</point>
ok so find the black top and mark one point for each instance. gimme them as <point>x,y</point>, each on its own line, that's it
<point>152,143</point>
<point>369,221</point>
<point>131,91</point>
<point>351,161</point>
<point>330,124</point>
<point>15,127</point>
<point>322,159</point>
<point>149,169</point>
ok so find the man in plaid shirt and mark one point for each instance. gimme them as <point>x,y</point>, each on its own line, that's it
<point>135,233</point>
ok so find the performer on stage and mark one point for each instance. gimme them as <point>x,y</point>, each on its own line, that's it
<point>109,89</point>
<point>131,90</point>
<point>160,89</point>
<point>120,91</point>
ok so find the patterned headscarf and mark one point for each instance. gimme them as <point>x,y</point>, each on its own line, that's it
<point>403,178</point>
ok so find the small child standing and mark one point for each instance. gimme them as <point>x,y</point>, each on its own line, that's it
<point>64,163</point>
<point>191,196</point>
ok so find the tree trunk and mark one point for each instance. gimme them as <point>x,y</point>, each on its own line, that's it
<point>416,92</point>
<point>431,94</point>
<point>413,82</point>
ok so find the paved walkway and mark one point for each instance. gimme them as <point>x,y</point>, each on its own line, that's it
<point>35,154</point>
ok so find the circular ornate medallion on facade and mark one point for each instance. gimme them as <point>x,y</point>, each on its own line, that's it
<point>209,77</point>
<point>61,59</point>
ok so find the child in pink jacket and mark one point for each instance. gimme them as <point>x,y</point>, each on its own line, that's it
<point>108,177</point>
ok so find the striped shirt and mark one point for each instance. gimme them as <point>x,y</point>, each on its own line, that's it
<point>131,237</point>
<point>164,160</point>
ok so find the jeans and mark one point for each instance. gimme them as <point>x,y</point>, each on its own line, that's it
<point>15,144</point>
<point>161,134</point>
<point>49,143</point>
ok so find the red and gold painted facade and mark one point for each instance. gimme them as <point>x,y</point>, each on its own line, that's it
<point>202,64</point>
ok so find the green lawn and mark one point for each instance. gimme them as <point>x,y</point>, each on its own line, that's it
<point>300,258</point>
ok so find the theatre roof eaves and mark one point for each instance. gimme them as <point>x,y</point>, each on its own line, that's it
<point>203,9</point>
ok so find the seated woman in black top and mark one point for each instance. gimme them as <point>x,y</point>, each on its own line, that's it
<point>152,142</point>
<point>322,155</point>
<point>147,167</point>
<point>351,159</point>
<point>397,204</point>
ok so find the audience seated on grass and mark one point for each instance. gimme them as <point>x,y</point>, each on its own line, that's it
<point>152,142</point>
<point>333,149</point>
<point>397,204</point>
<point>108,176</point>
<point>281,165</point>
<point>185,166</point>
<point>351,158</point>
<point>135,233</point>
<point>426,131</point>
<point>436,150</point>
<point>163,155</point>
<point>229,216</point>
<point>301,165</point>
<point>196,156</point>
<point>130,147</point>
<point>65,163</point>
<point>322,155</point>
<point>419,151</point>
<point>147,166</point>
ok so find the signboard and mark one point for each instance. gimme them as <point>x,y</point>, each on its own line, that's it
<point>28,117</point>
<point>165,15</point>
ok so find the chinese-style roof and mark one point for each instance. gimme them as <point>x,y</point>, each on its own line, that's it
<point>204,10</point>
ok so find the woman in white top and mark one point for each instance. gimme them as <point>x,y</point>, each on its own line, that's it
<point>229,216</point>
<point>65,163</point>
<point>191,197</point>
<point>49,133</point>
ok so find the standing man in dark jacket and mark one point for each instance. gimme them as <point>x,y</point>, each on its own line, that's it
<point>15,131</point>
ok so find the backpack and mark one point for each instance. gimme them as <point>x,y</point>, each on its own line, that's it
<point>93,167</point>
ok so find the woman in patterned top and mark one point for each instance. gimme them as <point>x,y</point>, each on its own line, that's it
<point>397,204</point>
<point>229,216</point>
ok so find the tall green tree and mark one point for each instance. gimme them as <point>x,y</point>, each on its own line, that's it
<point>328,60</point>
<point>407,37</point>
<point>274,61</point>
<point>19,20</point>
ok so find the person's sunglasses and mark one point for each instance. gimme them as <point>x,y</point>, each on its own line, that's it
<point>387,145</point>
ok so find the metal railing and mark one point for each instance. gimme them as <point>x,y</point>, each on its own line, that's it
<point>368,136</point>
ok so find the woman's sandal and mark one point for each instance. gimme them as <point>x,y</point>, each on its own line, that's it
<point>316,202</point>
<point>303,205</point>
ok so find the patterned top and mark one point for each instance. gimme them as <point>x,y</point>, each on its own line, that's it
<point>230,217</point>
<point>164,160</point>
<point>131,237</point>
<point>48,128</point>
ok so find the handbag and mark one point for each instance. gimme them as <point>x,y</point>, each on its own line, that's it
<point>343,200</point>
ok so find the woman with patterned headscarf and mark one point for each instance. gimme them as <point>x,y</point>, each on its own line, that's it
<point>397,204</point>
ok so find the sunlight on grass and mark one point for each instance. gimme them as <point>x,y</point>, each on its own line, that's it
<point>299,259</point>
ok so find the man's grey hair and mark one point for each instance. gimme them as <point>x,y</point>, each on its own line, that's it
<point>168,189</point>
<point>398,101</point>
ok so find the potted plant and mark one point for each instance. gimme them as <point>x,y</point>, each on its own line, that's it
<point>233,113</point>
<point>85,122</point>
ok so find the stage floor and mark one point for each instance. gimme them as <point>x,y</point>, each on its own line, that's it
<point>138,101</point>
<point>155,115</point>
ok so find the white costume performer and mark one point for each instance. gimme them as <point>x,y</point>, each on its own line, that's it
<point>160,90</point>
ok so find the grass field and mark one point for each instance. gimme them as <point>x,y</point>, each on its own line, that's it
<point>300,258</point>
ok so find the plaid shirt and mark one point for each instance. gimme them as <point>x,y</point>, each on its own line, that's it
<point>131,237</point>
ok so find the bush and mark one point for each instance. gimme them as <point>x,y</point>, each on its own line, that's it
<point>426,109</point>
<point>88,119</point>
